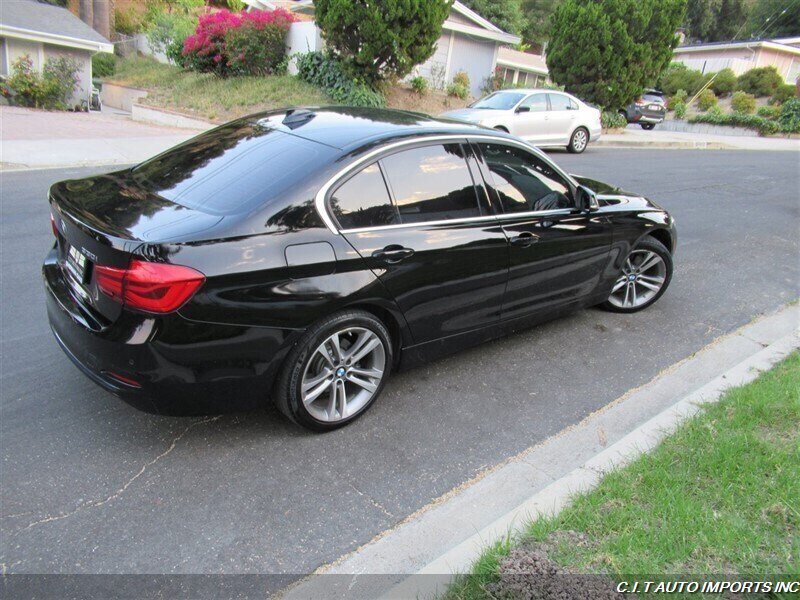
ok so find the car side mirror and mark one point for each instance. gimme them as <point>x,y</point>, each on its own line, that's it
<point>586,199</point>
<point>522,109</point>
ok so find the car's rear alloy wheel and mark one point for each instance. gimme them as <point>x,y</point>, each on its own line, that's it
<point>578,141</point>
<point>336,371</point>
<point>645,275</point>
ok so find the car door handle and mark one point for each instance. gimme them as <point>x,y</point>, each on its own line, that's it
<point>393,254</point>
<point>524,239</point>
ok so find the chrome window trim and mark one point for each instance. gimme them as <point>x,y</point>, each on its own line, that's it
<point>321,196</point>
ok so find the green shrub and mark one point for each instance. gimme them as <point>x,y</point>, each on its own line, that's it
<point>762,81</point>
<point>50,89</point>
<point>769,112</point>
<point>743,102</point>
<point>715,110</point>
<point>326,72</point>
<point>103,64</point>
<point>458,90</point>
<point>785,91</point>
<point>128,21</point>
<point>724,82</point>
<point>380,40</point>
<point>613,120</point>
<point>679,77</point>
<point>680,110</point>
<point>420,85</point>
<point>678,97</point>
<point>789,118</point>
<point>706,99</point>
<point>760,124</point>
<point>167,32</point>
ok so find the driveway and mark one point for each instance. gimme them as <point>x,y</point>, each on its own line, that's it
<point>90,485</point>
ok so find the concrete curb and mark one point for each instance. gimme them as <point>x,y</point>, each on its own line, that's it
<point>449,535</point>
<point>697,145</point>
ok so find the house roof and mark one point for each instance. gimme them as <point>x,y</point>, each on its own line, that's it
<point>480,27</point>
<point>514,59</point>
<point>781,45</point>
<point>40,22</point>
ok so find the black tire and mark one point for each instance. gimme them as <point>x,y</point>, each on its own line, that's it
<point>576,146</point>
<point>501,128</point>
<point>653,245</point>
<point>647,126</point>
<point>287,394</point>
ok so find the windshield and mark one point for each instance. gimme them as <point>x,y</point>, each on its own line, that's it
<point>650,97</point>
<point>499,101</point>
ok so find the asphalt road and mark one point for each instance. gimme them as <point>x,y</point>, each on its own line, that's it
<point>90,485</point>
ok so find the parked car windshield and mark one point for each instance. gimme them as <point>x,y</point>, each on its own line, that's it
<point>650,97</point>
<point>499,101</point>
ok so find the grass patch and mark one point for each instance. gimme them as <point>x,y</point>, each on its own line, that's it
<point>719,496</point>
<point>212,97</point>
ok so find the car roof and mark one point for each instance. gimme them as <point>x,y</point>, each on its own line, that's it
<point>534,90</point>
<point>347,128</point>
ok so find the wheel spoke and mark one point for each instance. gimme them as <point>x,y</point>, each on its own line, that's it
<point>332,401</point>
<point>323,352</point>
<point>648,285</point>
<point>342,395</point>
<point>620,282</point>
<point>372,373</point>
<point>627,294</point>
<point>649,262</point>
<point>362,383</point>
<point>365,349</point>
<point>336,347</point>
<point>362,339</point>
<point>633,294</point>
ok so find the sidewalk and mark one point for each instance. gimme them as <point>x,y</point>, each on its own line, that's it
<point>417,558</point>
<point>39,139</point>
<point>636,137</point>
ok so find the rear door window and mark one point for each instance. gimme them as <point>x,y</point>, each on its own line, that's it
<point>559,102</point>
<point>432,183</point>
<point>363,201</point>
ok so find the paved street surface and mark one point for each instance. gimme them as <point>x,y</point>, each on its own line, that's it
<point>90,485</point>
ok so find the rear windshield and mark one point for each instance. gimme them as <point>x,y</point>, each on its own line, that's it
<point>653,98</point>
<point>231,169</point>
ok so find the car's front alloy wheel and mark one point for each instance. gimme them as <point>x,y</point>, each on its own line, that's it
<point>645,275</point>
<point>336,371</point>
<point>578,141</point>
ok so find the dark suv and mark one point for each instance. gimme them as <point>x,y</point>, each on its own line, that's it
<point>648,111</point>
<point>303,256</point>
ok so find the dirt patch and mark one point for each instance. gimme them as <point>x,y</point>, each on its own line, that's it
<point>528,574</point>
<point>434,102</point>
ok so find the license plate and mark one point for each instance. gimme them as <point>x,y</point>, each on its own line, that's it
<point>654,107</point>
<point>76,264</point>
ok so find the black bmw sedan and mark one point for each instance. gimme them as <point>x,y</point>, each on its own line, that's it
<point>303,255</point>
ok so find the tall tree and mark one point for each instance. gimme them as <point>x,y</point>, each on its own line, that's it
<point>536,15</point>
<point>381,40</point>
<point>85,11</point>
<point>505,14</point>
<point>101,17</point>
<point>607,51</point>
<point>716,20</point>
<point>774,18</point>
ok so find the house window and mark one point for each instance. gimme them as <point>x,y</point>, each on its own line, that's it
<point>509,76</point>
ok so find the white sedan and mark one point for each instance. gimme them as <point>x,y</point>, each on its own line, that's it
<point>544,118</point>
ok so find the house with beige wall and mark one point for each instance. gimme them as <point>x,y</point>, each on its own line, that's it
<point>43,31</point>
<point>741,56</point>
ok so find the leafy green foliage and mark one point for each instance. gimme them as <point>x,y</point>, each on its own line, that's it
<point>789,118</point>
<point>460,86</point>
<point>724,82</point>
<point>706,99</point>
<point>420,85</point>
<point>613,120</point>
<point>167,32</point>
<point>128,21</point>
<point>505,14</point>
<point>680,110</point>
<point>679,77</point>
<point>761,124</point>
<point>785,92</point>
<point>679,96</point>
<point>715,20</point>
<point>773,18</point>
<point>769,112</point>
<point>327,73</point>
<point>607,51</point>
<point>744,103</point>
<point>537,15</point>
<point>103,64</point>
<point>49,89</point>
<point>256,50</point>
<point>381,40</point>
<point>762,81</point>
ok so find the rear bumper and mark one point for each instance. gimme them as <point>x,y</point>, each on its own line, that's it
<point>645,117</point>
<point>179,367</point>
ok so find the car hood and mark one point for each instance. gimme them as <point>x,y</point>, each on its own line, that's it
<point>610,196</point>
<point>473,115</point>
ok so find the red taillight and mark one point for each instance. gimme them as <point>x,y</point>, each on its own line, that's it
<point>151,287</point>
<point>53,225</point>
